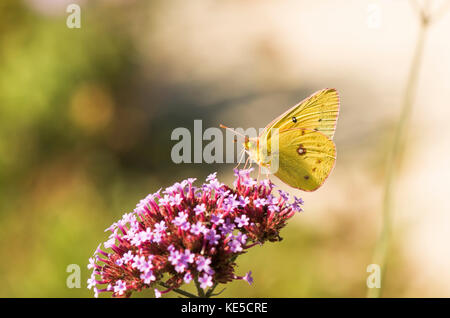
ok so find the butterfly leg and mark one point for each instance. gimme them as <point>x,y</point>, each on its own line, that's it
<point>246,162</point>
<point>259,173</point>
<point>242,154</point>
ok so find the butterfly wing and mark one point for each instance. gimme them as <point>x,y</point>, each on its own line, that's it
<point>318,112</point>
<point>305,158</point>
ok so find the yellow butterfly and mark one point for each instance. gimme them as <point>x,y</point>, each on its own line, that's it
<point>304,138</point>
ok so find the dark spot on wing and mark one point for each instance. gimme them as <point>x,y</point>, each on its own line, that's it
<point>320,119</point>
<point>306,177</point>
<point>294,119</point>
<point>318,160</point>
<point>301,150</point>
<point>314,169</point>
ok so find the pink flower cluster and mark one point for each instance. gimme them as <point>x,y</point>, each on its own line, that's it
<point>187,233</point>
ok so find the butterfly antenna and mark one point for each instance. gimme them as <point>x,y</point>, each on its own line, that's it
<point>232,130</point>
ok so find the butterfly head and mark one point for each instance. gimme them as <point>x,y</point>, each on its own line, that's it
<point>247,143</point>
<point>250,144</point>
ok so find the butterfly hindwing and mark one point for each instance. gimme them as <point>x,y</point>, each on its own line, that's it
<point>305,158</point>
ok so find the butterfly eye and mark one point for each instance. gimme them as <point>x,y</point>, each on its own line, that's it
<point>294,119</point>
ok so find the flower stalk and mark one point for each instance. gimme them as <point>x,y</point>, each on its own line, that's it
<point>394,158</point>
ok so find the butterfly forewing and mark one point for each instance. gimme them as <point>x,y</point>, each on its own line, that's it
<point>318,112</point>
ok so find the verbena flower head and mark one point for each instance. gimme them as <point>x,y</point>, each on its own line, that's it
<point>187,233</point>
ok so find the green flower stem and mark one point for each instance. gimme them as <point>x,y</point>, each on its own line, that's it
<point>201,293</point>
<point>210,291</point>
<point>180,291</point>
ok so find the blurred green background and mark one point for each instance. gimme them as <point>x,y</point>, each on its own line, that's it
<point>86,117</point>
